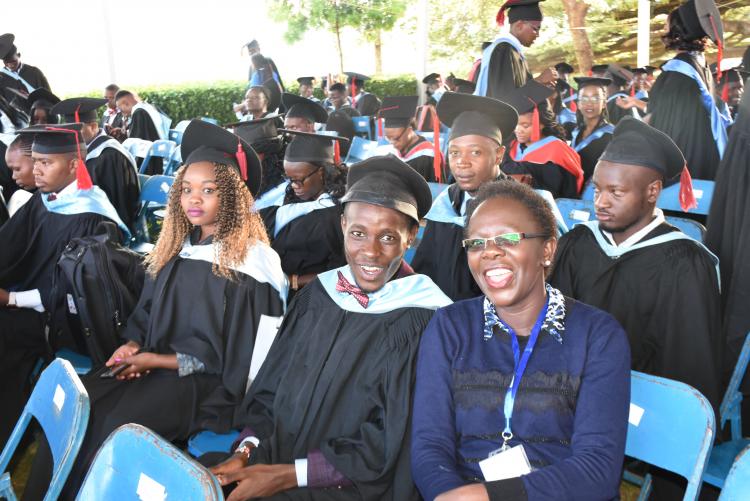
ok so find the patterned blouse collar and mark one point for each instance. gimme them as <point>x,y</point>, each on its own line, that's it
<point>554,319</point>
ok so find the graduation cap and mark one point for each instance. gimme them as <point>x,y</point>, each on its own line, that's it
<point>61,139</point>
<point>252,44</point>
<point>301,107</point>
<point>39,98</point>
<point>388,182</point>
<point>701,18</point>
<point>254,131</point>
<point>7,49</point>
<point>641,71</point>
<point>357,78</point>
<point>484,116</point>
<point>464,86</point>
<point>620,75</point>
<point>306,81</point>
<point>431,78</point>
<point>526,99</point>
<point>634,142</point>
<point>563,67</point>
<point>599,68</point>
<point>271,89</point>
<point>206,142</point>
<point>309,147</point>
<point>79,109</point>
<point>567,94</point>
<point>519,10</point>
<point>728,75</point>
<point>398,111</point>
<point>595,81</point>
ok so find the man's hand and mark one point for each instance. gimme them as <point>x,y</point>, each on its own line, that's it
<point>548,77</point>
<point>4,297</point>
<point>231,465</point>
<point>260,480</point>
<point>473,492</point>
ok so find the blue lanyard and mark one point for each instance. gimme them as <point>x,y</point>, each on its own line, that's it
<point>520,363</point>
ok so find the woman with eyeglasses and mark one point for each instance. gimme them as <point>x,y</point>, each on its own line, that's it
<point>521,393</point>
<point>305,225</point>
<point>594,131</point>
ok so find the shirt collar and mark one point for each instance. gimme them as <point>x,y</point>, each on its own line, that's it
<point>554,316</point>
<point>101,133</point>
<point>68,190</point>
<point>638,235</point>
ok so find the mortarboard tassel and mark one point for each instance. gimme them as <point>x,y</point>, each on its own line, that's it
<point>437,160</point>
<point>380,127</point>
<point>591,72</point>
<point>632,90</point>
<point>720,45</point>
<point>78,120</point>
<point>687,197</point>
<point>353,87</point>
<point>725,92</point>
<point>336,152</point>
<point>241,161</point>
<point>573,105</point>
<point>500,17</point>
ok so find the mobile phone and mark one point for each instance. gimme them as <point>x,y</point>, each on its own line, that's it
<point>115,371</point>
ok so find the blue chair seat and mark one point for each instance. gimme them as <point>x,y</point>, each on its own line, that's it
<point>208,441</point>
<point>737,485</point>
<point>721,460</point>
<point>81,363</point>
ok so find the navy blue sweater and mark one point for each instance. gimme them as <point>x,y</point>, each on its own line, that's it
<point>571,410</point>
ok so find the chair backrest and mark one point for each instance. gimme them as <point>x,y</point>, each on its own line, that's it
<point>670,199</point>
<point>136,463</point>
<point>156,190</point>
<point>732,401</point>
<point>361,149</point>
<point>737,485</point>
<point>691,228</point>
<point>142,178</point>
<point>362,126</point>
<point>163,148</point>
<point>672,426</point>
<point>137,147</point>
<point>60,404</point>
<point>175,135</point>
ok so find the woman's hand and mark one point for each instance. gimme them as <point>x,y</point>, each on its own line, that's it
<point>260,480</point>
<point>138,365</point>
<point>127,350</point>
<point>231,465</point>
<point>473,492</point>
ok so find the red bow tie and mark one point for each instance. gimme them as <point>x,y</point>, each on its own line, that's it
<point>344,285</point>
<point>51,197</point>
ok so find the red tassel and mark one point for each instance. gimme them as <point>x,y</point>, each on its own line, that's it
<point>725,92</point>
<point>687,197</point>
<point>78,120</point>
<point>632,90</point>
<point>437,161</point>
<point>500,17</point>
<point>380,127</point>
<point>573,105</point>
<point>591,72</point>
<point>241,161</point>
<point>353,88</point>
<point>720,45</point>
<point>336,152</point>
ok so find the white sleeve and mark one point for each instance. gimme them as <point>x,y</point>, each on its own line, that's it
<point>29,299</point>
<point>300,468</point>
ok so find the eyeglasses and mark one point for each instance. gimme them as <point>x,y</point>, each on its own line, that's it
<point>502,241</point>
<point>301,182</point>
<point>587,99</point>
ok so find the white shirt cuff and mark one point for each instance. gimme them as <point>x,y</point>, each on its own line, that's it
<point>300,468</point>
<point>29,299</point>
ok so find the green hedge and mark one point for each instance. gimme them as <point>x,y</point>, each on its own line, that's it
<point>187,101</point>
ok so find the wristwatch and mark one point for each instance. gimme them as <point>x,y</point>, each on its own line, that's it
<point>246,446</point>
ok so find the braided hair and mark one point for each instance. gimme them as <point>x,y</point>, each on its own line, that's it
<point>238,228</point>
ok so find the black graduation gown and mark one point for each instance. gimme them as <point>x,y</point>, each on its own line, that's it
<point>313,243</point>
<point>340,382</point>
<point>728,236</point>
<point>507,71</point>
<point>7,184</point>
<point>142,127</point>
<point>441,256</point>
<point>547,176</point>
<point>666,296</point>
<point>216,325</point>
<point>31,74</point>
<point>615,113</point>
<point>590,155</point>
<point>31,242</point>
<point>115,175</point>
<point>677,110</point>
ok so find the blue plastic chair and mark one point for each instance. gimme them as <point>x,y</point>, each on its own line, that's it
<point>142,178</point>
<point>162,148</point>
<point>669,198</point>
<point>672,426</point>
<point>361,149</point>
<point>576,211</point>
<point>362,127</point>
<point>208,441</point>
<point>411,251</point>
<point>60,404</point>
<point>136,463</point>
<point>154,195</point>
<point>737,485</point>
<point>176,136</point>
<point>81,363</point>
<point>724,454</point>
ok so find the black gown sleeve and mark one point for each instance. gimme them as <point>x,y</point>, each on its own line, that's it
<point>136,326</point>
<point>115,175</point>
<point>142,127</point>
<point>547,176</point>
<point>506,72</point>
<point>590,155</point>
<point>424,165</point>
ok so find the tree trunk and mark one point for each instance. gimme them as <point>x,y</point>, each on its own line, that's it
<point>339,48</point>
<point>575,10</point>
<point>378,54</point>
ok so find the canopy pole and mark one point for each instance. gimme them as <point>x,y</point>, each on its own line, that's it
<point>644,32</point>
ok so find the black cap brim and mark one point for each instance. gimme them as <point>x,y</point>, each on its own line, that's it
<point>564,67</point>
<point>397,186</point>
<point>592,81</point>
<point>7,49</point>
<point>86,107</point>
<point>309,147</point>
<point>525,98</point>
<point>467,114</point>
<point>206,142</point>
<point>301,107</point>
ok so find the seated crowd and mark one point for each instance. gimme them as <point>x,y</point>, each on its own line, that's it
<point>451,344</point>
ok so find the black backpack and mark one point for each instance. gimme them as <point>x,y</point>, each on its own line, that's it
<point>99,282</point>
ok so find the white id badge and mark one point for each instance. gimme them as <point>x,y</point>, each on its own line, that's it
<point>510,463</point>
